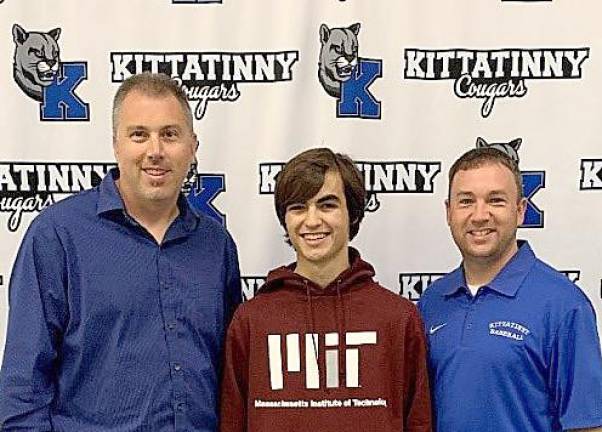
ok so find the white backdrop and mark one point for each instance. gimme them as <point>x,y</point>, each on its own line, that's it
<point>401,114</point>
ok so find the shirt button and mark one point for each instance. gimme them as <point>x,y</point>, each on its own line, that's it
<point>164,285</point>
<point>180,407</point>
<point>177,367</point>
<point>171,326</point>
<point>468,326</point>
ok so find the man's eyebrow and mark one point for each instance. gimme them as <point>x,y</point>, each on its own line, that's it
<point>470,194</point>
<point>171,126</point>
<point>136,127</point>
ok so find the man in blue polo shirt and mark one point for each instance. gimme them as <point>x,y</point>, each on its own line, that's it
<point>120,296</point>
<point>513,344</point>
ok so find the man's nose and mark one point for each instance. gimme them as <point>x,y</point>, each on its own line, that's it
<point>155,148</point>
<point>481,211</point>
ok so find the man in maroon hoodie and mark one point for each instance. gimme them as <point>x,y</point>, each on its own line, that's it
<point>323,347</point>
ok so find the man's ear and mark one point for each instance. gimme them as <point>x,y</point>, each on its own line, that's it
<point>115,146</point>
<point>447,215</point>
<point>521,209</point>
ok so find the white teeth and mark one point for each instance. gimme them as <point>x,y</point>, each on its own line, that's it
<point>481,232</point>
<point>155,172</point>
<point>316,236</point>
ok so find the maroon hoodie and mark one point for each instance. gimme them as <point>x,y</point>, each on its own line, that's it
<point>347,357</point>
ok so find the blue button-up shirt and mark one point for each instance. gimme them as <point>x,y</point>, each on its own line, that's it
<point>522,355</point>
<point>110,331</point>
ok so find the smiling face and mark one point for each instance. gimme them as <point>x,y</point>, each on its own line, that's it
<point>319,228</point>
<point>154,147</point>
<point>483,213</point>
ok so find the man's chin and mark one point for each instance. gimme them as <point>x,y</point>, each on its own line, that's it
<point>483,252</point>
<point>158,194</point>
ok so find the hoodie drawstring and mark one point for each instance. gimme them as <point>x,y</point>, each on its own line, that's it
<point>340,313</point>
<point>341,326</point>
<point>311,320</point>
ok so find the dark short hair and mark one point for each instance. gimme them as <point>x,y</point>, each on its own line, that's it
<point>151,84</point>
<point>479,157</point>
<point>303,176</point>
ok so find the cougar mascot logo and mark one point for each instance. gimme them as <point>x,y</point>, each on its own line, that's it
<point>338,56</point>
<point>36,61</point>
<point>510,148</point>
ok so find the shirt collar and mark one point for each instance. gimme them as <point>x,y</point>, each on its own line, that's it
<point>508,280</point>
<point>110,200</point>
<point>189,215</point>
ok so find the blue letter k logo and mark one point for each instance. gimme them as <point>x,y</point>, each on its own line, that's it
<point>356,100</point>
<point>60,100</point>
<point>201,196</point>
<point>533,181</point>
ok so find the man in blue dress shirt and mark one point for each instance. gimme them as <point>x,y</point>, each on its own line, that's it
<point>120,296</point>
<point>513,344</point>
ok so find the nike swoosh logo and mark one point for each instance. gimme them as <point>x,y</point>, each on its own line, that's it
<point>435,329</point>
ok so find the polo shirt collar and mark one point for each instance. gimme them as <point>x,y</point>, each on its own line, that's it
<point>508,281</point>
<point>110,200</point>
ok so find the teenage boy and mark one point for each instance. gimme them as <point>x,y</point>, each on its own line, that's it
<point>323,347</point>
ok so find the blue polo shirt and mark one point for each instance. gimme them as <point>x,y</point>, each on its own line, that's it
<point>110,331</point>
<point>522,355</point>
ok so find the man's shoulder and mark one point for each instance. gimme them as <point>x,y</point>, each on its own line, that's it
<point>550,285</point>
<point>439,287</point>
<point>71,210</point>
<point>209,228</point>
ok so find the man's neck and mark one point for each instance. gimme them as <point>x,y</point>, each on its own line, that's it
<point>156,221</point>
<point>154,216</point>
<point>322,274</point>
<point>480,272</point>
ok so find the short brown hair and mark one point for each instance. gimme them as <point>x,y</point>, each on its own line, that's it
<point>303,176</point>
<point>479,157</point>
<point>151,84</point>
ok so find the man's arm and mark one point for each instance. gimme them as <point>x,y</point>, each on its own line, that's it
<point>35,325</point>
<point>576,371</point>
<point>598,429</point>
<point>233,294</point>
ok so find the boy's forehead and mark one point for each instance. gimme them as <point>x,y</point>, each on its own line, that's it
<point>332,186</point>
